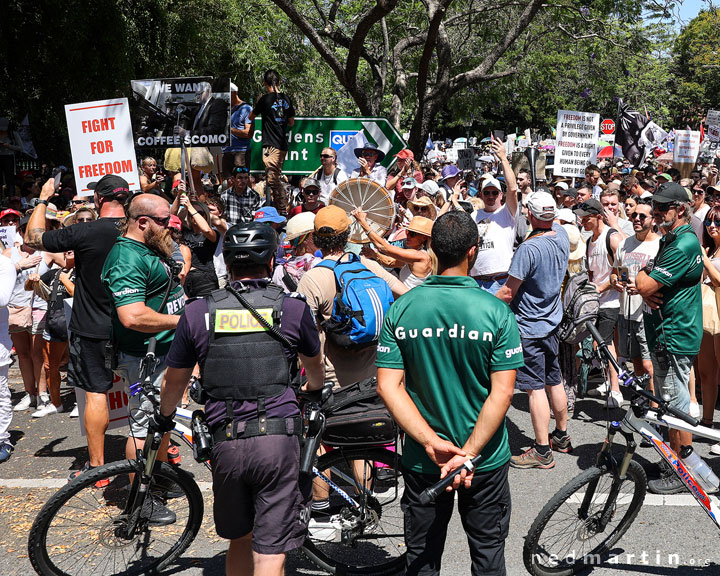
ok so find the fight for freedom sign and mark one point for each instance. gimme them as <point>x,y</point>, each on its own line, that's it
<point>576,147</point>
<point>101,142</point>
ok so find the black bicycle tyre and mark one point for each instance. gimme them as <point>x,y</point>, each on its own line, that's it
<point>315,554</point>
<point>587,560</point>
<point>42,561</point>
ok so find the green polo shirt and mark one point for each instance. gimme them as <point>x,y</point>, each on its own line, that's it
<point>449,335</point>
<point>134,273</point>
<point>679,269</point>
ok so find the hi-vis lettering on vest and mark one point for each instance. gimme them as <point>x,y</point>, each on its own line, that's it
<point>238,321</point>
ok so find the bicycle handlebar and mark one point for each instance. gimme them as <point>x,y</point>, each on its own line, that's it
<point>629,380</point>
<point>429,494</point>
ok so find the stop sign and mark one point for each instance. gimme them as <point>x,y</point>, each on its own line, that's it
<point>607,126</point>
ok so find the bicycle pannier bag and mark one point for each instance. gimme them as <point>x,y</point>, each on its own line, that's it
<point>355,415</point>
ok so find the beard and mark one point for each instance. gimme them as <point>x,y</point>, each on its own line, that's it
<point>160,242</point>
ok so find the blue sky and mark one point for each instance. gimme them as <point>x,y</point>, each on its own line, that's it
<point>691,8</point>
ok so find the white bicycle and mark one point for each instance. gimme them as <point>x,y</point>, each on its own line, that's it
<point>580,524</point>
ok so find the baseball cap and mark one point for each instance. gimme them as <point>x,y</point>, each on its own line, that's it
<point>671,192</point>
<point>110,186</point>
<point>666,176</point>
<point>570,192</point>
<point>311,183</point>
<point>450,171</point>
<point>9,212</point>
<point>709,190</point>
<point>431,187</point>
<point>233,87</point>
<point>562,185</point>
<point>566,215</point>
<point>405,153</point>
<point>175,222</point>
<point>491,183</point>
<point>409,183</point>
<point>331,221</point>
<point>590,207</point>
<point>542,206</point>
<point>268,214</point>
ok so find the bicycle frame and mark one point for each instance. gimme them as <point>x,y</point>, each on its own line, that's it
<point>634,423</point>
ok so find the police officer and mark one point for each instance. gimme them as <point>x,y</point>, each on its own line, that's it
<point>247,365</point>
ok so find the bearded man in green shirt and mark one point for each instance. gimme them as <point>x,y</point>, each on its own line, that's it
<point>446,359</point>
<point>672,311</point>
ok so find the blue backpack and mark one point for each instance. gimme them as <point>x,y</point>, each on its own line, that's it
<point>360,305</point>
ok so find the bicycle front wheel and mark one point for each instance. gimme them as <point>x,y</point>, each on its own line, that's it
<point>86,530</point>
<point>568,534</point>
<point>368,541</point>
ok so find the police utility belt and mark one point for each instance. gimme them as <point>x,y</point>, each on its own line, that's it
<point>265,371</point>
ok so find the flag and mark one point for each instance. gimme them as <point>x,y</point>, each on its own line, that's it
<point>346,158</point>
<point>702,131</point>
<point>429,144</point>
<point>26,137</point>
<point>629,128</point>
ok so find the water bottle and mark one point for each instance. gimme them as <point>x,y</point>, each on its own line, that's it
<point>702,473</point>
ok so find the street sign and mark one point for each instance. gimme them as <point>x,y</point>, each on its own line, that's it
<point>309,136</point>
<point>607,126</point>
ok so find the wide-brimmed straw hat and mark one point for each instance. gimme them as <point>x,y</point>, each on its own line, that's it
<point>421,225</point>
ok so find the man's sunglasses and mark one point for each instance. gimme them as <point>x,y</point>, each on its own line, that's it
<point>638,216</point>
<point>311,191</point>
<point>709,222</point>
<point>326,156</point>
<point>240,170</point>
<point>78,201</point>
<point>661,207</point>
<point>159,221</point>
<point>491,193</point>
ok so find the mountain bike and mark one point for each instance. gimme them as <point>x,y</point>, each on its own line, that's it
<point>580,524</point>
<point>86,530</point>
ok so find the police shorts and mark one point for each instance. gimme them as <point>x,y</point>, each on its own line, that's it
<point>542,367</point>
<point>87,369</point>
<point>255,488</point>
<point>632,340</point>
<point>139,406</point>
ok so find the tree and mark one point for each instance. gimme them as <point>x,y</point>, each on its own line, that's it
<point>411,58</point>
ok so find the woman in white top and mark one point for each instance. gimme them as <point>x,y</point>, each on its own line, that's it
<point>417,257</point>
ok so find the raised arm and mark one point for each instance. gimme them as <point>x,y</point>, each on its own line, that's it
<point>510,181</point>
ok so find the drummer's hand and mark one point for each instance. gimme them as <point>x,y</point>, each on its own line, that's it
<point>363,165</point>
<point>360,216</point>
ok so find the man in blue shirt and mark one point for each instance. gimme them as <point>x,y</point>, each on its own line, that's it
<point>533,290</point>
<point>241,127</point>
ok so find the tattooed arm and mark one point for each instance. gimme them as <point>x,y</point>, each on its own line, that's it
<point>36,226</point>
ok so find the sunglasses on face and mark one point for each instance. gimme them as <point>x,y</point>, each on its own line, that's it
<point>328,156</point>
<point>241,170</point>
<point>424,209</point>
<point>369,154</point>
<point>637,216</point>
<point>10,221</point>
<point>491,193</point>
<point>311,192</point>
<point>709,222</point>
<point>662,207</point>
<point>159,221</point>
<point>78,201</point>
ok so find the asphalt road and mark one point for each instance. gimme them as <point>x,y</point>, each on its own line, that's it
<point>671,535</point>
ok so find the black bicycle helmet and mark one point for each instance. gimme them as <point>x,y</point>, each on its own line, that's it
<point>249,243</point>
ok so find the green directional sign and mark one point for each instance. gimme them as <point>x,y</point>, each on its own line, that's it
<point>310,135</point>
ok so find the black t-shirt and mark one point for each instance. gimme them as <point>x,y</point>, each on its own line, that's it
<point>201,249</point>
<point>275,109</point>
<point>91,241</point>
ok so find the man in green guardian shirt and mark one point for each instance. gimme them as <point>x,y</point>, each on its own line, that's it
<point>672,311</point>
<point>137,279</point>
<point>446,362</point>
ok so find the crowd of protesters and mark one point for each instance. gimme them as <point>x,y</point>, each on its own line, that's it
<point>648,239</point>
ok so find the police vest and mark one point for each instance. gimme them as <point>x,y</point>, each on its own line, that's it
<point>244,361</point>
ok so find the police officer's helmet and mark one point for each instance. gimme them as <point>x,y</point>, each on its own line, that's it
<point>249,243</point>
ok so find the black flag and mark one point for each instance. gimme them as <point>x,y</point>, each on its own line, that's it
<point>630,125</point>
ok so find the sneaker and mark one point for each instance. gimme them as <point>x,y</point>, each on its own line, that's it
<point>75,412</point>
<point>694,410</point>
<point>166,489</point>
<point>86,468</point>
<point>173,454</point>
<point>26,402</point>
<point>715,448</point>
<point>600,391</point>
<point>46,410</point>
<point>560,445</point>
<point>668,483</point>
<point>156,513</point>
<point>614,399</point>
<point>5,450</point>
<point>531,458</point>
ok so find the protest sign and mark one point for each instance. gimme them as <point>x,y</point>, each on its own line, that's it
<point>713,133</point>
<point>170,112</point>
<point>7,235</point>
<point>101,142</point>
<point>685,153</point>
<point>576,146</point>
<point>466,159</point>
<point>713,118</point>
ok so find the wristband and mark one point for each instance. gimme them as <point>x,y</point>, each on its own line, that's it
<point>42,202</point>
<point>193,214</point>
<point>646,269</point>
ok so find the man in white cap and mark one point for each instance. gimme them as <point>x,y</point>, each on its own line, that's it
<point>496,227</point>
<point>532,290</point>
<point>241,127</point>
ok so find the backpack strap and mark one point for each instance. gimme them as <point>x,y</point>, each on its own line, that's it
<point>608,247</point>
<point>289,281</point>
<point>335,175</point>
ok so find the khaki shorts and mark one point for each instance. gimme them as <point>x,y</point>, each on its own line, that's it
<point>20,319</point>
